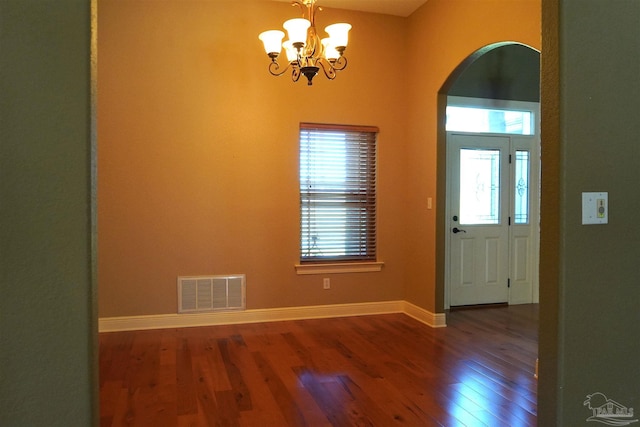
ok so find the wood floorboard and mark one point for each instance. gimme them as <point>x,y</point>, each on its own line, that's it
<point>382,370</point>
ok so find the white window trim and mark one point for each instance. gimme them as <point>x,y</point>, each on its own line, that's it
<point>345,267</point>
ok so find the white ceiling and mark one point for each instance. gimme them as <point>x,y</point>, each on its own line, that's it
<point>390,7</point>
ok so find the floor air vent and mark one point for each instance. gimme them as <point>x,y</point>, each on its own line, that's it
<point>211,293</point>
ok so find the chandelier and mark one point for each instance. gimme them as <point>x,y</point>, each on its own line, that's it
<point>306,53</point>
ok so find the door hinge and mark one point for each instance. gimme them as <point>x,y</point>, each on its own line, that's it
<point>509,158</point>
<point>508,283</point>
<point>509,220</point>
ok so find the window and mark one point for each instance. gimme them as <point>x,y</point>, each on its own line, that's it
<point>521,196</point>
<point>480,197</point>
<point>476,119</point>
<point>337,193</point>
<point>482,119</point>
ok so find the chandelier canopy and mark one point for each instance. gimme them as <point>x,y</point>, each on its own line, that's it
<point>306,52</point>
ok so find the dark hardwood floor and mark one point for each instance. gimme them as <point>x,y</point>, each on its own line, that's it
<point>381,370</point>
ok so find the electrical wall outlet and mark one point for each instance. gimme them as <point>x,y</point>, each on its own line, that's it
<point>326,283</point>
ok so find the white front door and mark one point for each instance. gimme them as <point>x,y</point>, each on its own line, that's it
<point>492,218</point>
<point>478,223</point>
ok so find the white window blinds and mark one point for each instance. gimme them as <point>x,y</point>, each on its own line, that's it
<point>337,193</point>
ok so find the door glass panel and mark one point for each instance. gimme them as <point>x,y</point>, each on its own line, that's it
<point>481,120</point>
<point>479,186</point>
<point>522,187</point>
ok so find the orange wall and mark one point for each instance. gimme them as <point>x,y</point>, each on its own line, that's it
<point>441,34</point>
<point>198,152</point>
<point>198,144</point>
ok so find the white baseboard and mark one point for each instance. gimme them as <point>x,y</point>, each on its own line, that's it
<point>162,321</point>
<point>435,320</point>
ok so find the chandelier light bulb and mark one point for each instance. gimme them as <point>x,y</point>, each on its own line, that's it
<point>339,34</point>
<point>330,51</point>
<point>292,54</point>
<point>272,40</point>
<point>297,30</point>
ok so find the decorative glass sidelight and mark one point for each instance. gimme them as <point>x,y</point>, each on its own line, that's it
<point>479,186</point>
<point>521,196</point>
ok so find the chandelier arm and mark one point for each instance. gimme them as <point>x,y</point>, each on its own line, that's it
<point>340,63</point>
<point>295,74</point>
<point>312,8</point>
<point>308,6</point>
<point>328,69</point>
<point>275,69</point>
<point>299,4</point>
<point>313,46</point>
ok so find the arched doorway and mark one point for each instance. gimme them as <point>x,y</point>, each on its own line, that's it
<point>491,257</point>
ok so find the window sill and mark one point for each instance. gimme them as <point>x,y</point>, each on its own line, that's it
<point>350,267</point>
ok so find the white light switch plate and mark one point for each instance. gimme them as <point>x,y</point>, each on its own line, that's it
<point>595,208</point>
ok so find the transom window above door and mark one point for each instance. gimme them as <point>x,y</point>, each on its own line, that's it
<point>488,116</point>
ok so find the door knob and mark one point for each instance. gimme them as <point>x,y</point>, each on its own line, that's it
<point>456,230</point>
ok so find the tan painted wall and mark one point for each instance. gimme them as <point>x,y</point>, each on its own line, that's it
<point>199,154</point>
<point>198,144</point>
<point>441,35</point>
